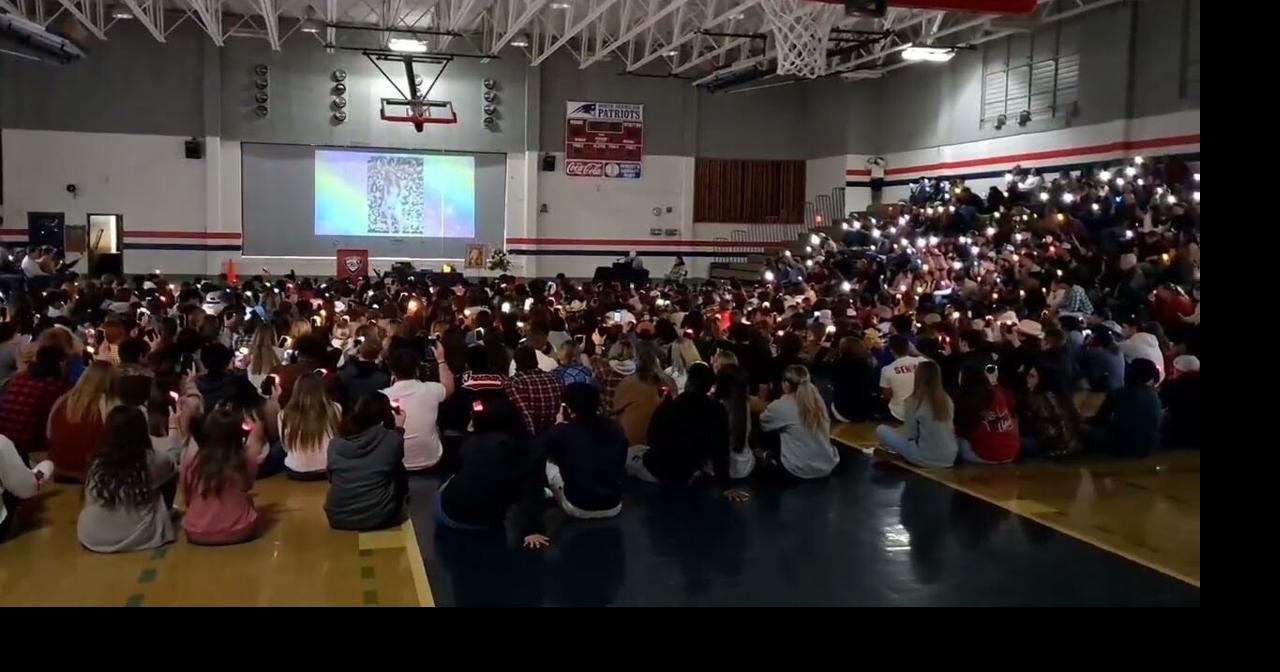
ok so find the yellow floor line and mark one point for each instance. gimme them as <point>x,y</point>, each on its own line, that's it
<point>372,541</point>
<point>1043,521</point>
<point>417,566</point>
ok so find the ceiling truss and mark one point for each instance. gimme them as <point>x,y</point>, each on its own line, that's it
<point>701,39</point>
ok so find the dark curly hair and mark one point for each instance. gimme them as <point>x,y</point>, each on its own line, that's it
<point>118,475</point>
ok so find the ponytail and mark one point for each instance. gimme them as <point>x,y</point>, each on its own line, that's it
<point>813,410</point>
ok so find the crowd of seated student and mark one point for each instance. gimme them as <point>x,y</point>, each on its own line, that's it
<point>968,334</point>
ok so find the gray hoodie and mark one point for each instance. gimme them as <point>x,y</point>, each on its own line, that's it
<point>367,481</point>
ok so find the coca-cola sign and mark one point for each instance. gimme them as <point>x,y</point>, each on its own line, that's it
<point>584,168</point>
<point>626,170</point>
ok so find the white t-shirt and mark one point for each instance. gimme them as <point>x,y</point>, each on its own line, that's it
<point>876,163</point>
<point>900,377</point>
<point>309,460</point>
<point>31,267</point>
<point>420,402</point>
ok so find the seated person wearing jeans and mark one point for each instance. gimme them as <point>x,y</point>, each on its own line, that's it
<point>586,456</point>
<point>928,438</point>
<point>897,378</point>
<point>420,402</point>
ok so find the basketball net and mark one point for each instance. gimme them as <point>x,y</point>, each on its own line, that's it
<point>801,31</point>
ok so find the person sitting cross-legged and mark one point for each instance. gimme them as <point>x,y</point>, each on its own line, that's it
<point>927,439</point>
<point>534,392</point>
<point>586,456</point>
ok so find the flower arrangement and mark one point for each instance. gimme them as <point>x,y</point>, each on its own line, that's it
<point>498,261</point>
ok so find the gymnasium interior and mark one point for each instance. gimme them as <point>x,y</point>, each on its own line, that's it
<point>750,144</point>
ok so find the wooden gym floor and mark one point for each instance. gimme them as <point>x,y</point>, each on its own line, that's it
<point>299,561</point>
<point>1097,526</point>
<point>1146,510</point>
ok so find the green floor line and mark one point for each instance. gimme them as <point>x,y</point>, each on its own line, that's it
<point>134,601</point>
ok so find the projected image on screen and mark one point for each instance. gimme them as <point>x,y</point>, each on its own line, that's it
<point>379,194</point>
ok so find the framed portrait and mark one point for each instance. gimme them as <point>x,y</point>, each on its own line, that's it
<point>476,256</point>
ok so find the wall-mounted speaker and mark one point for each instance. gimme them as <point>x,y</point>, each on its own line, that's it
<point>194,149</point>
<point>548,163</point>
<point>261,82</point>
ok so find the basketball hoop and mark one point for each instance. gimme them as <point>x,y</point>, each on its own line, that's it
<point>801,31</point>
<point>418,112</point>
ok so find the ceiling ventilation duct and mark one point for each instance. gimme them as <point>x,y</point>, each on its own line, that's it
<point>28,40</point>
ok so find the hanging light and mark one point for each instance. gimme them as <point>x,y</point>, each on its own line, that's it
<point>1105,176</point>
<point>846,286</point>
<point>1044,196</point>
<point>768,276</point>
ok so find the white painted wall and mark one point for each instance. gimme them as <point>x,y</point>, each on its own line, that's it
<point>144,178</point>
<point>823,175</point>
<point>148,181</point>
<point>1173,133</point>
<point>586,213</point>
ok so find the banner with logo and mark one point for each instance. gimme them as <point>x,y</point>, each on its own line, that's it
<point>603,139</point>
<point>353,263</point>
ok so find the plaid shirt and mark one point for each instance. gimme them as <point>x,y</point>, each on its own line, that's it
<point>537,396</point>
<point>573,373</point>
<point>1076,301</point>
<point>24,412</point>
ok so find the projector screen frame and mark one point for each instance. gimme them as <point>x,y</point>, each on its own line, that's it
<point>490,205</point>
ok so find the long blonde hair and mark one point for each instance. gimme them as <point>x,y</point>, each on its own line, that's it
<point>94,393</point>
<point>928,389</point>
<point>684,354</point>
<point>298,329</point>
<point>263,350</point>
<point>813,410</point>
<point>569,353</point>
<point>723,357</point>
<point>310,420</point>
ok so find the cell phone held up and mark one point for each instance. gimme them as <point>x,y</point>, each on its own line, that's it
<point>268,386</point>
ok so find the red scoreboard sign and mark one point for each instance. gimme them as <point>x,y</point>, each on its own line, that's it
<point>603,139</point>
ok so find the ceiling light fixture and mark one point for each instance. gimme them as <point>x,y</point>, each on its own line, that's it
<point>407,46</point>
<point>931,54</point>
